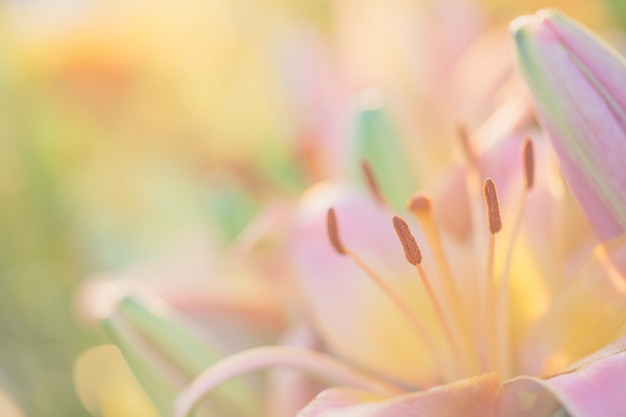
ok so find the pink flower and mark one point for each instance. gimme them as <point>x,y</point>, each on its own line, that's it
<point>492,299</point>
<point>479,326</point>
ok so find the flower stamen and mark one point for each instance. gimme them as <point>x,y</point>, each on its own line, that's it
<point>421,205</point>
<point>494,222</point>
<point>473,183</point>
<point>529,162</point>
<point>503,295</point>
<point>409,244</point>
<point>414,256</point>
<point>372,183</point>
<point>333,234</point>
<point>473,186</point>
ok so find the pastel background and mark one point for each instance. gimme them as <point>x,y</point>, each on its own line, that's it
<point>129,126</point>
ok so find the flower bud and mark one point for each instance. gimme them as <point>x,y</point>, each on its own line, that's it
<point>577,83</point>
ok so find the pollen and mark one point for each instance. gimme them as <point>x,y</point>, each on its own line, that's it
<point>493,206</point>
<point>371,181</point>
<point>420,203</point>
<point>409,244</point>
<point>333,232</point>
<point>529,162</point>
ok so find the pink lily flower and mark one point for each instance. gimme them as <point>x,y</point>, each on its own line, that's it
<point>481,328</point>
<point>432,342</point>
<point>577,82</point>
<point>425,322</point>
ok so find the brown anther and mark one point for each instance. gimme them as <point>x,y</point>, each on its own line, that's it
<point>411,250</point>
<point>333,232</point>
<point>529,162</point>
<point>420,203</point>
<point>372,184</point>
<point>466,143</point>
<point>493,206</point>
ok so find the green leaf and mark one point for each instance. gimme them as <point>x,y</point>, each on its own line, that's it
<point>166,353</point>
<point>378,143</point>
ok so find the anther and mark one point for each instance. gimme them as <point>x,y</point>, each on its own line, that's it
<point>468,148</point>
<point>333,235</point>
<point>493,206</point>
<point>420,203</point>
<point>411,250</point>
<point>333,232</point>
<point>529,162</point>
<point>372,184</point>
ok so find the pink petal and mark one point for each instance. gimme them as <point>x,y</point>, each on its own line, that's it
<point>335,398</point>
<point>614,348</point>
<point>596,389</point>
<point>605,63</point>
<point>190,278</point>
<point>353,316</point>
<point>589,313</point>
<point>582,115</point>
<point>473,397</point>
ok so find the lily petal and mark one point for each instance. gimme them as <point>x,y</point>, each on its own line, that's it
<point>472,397</point>
<point>353,316</point>
<point>594,389</point>
<point>582,330</point>
<point>336,398</point>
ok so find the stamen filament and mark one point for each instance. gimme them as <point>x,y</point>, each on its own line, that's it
<point>504,354</point>
<point>478,225</point>
<point>421,206</point>
<point>494,221</point>
<point>414,256</point>
<point>489,319</point>
<point>504,358</point>
<point>402,306</point>
<point>340,248</point>
<point>440,314</point>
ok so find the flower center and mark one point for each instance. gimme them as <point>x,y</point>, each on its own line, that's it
<point>486,348</point>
